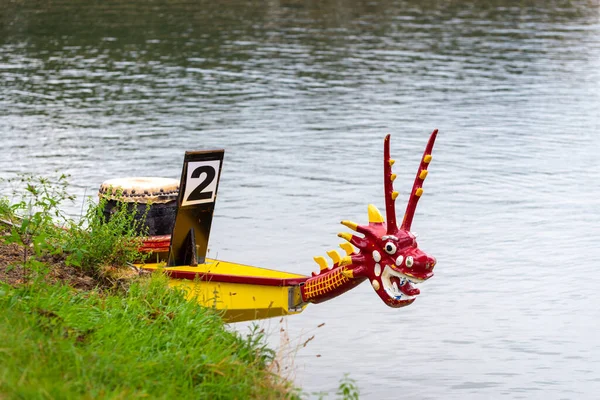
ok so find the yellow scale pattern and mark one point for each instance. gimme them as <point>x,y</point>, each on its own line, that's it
<point>324,284</point>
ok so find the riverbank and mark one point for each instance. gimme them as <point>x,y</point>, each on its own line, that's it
<point>59,342</point>
<point>75,323</point>
<point>65,334</point>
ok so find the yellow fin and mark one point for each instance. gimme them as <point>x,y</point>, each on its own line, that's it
<point>374,214</point>
<point>392,162</point>
<point>347,247</point>
<point>394,195</point>
<point>423,174</point>
<point>350,224</point>
<point>393,177</point>
<point>322,262</point>
<point>335,256</point>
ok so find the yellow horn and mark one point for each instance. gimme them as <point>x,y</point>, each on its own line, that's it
<point>374,215</point>
<point>350,224</point>
<point>345,235</point>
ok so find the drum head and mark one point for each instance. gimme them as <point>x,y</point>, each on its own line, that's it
<point>140,190</point>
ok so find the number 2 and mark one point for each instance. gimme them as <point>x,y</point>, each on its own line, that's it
<point>201,179</point>
<point>197,193</point>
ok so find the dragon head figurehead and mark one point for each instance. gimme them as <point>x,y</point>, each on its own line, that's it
<point>388,255</point>
<point>389,258</point>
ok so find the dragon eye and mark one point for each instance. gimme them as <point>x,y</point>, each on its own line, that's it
<point>409,261</point>
<point>390,248</point>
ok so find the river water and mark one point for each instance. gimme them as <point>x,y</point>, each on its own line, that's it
<point>301,94</point>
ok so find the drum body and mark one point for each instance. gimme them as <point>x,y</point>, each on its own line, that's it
<point>150,197</point>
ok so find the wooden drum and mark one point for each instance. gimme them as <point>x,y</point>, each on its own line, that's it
<point>159,194</point>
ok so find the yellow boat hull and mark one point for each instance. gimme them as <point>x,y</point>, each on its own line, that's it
<point>240,292</point>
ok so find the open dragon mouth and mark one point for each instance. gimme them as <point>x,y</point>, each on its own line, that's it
<point>399,286</point>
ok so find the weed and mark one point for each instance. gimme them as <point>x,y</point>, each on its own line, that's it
<point>347,388</point>
<point>96,241</point>
<point>31,219</point>
<point>37,223</point>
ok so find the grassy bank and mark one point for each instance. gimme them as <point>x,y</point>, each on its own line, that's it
<point>77,322</point>
<point>149,342</point>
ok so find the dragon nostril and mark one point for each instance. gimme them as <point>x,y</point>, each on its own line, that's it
<point>431,262</point>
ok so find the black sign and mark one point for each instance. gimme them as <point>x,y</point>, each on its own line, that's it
<point>196,205</point>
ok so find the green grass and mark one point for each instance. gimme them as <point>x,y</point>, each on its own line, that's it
<point>149,343</point>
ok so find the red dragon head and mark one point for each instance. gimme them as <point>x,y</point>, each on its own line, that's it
<point>388,255</point>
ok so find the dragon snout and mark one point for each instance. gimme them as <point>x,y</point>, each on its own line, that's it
<point>422,268</point>
<point>430,262</point>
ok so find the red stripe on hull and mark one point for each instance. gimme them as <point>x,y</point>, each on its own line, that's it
<point>252,280</point>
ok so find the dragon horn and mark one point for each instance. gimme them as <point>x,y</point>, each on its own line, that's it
<point>417,190</point>
<point>388,188</point>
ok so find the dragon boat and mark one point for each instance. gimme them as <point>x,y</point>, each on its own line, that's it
<point>382,252</point>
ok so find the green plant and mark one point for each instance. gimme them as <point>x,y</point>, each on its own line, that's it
<point>96,241</point>
<point>348,389</point>
<point>32,219</point>
<point>255,340</point>
<point>36,221</point>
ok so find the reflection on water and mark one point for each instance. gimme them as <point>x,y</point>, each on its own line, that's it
<point>300,94</point>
